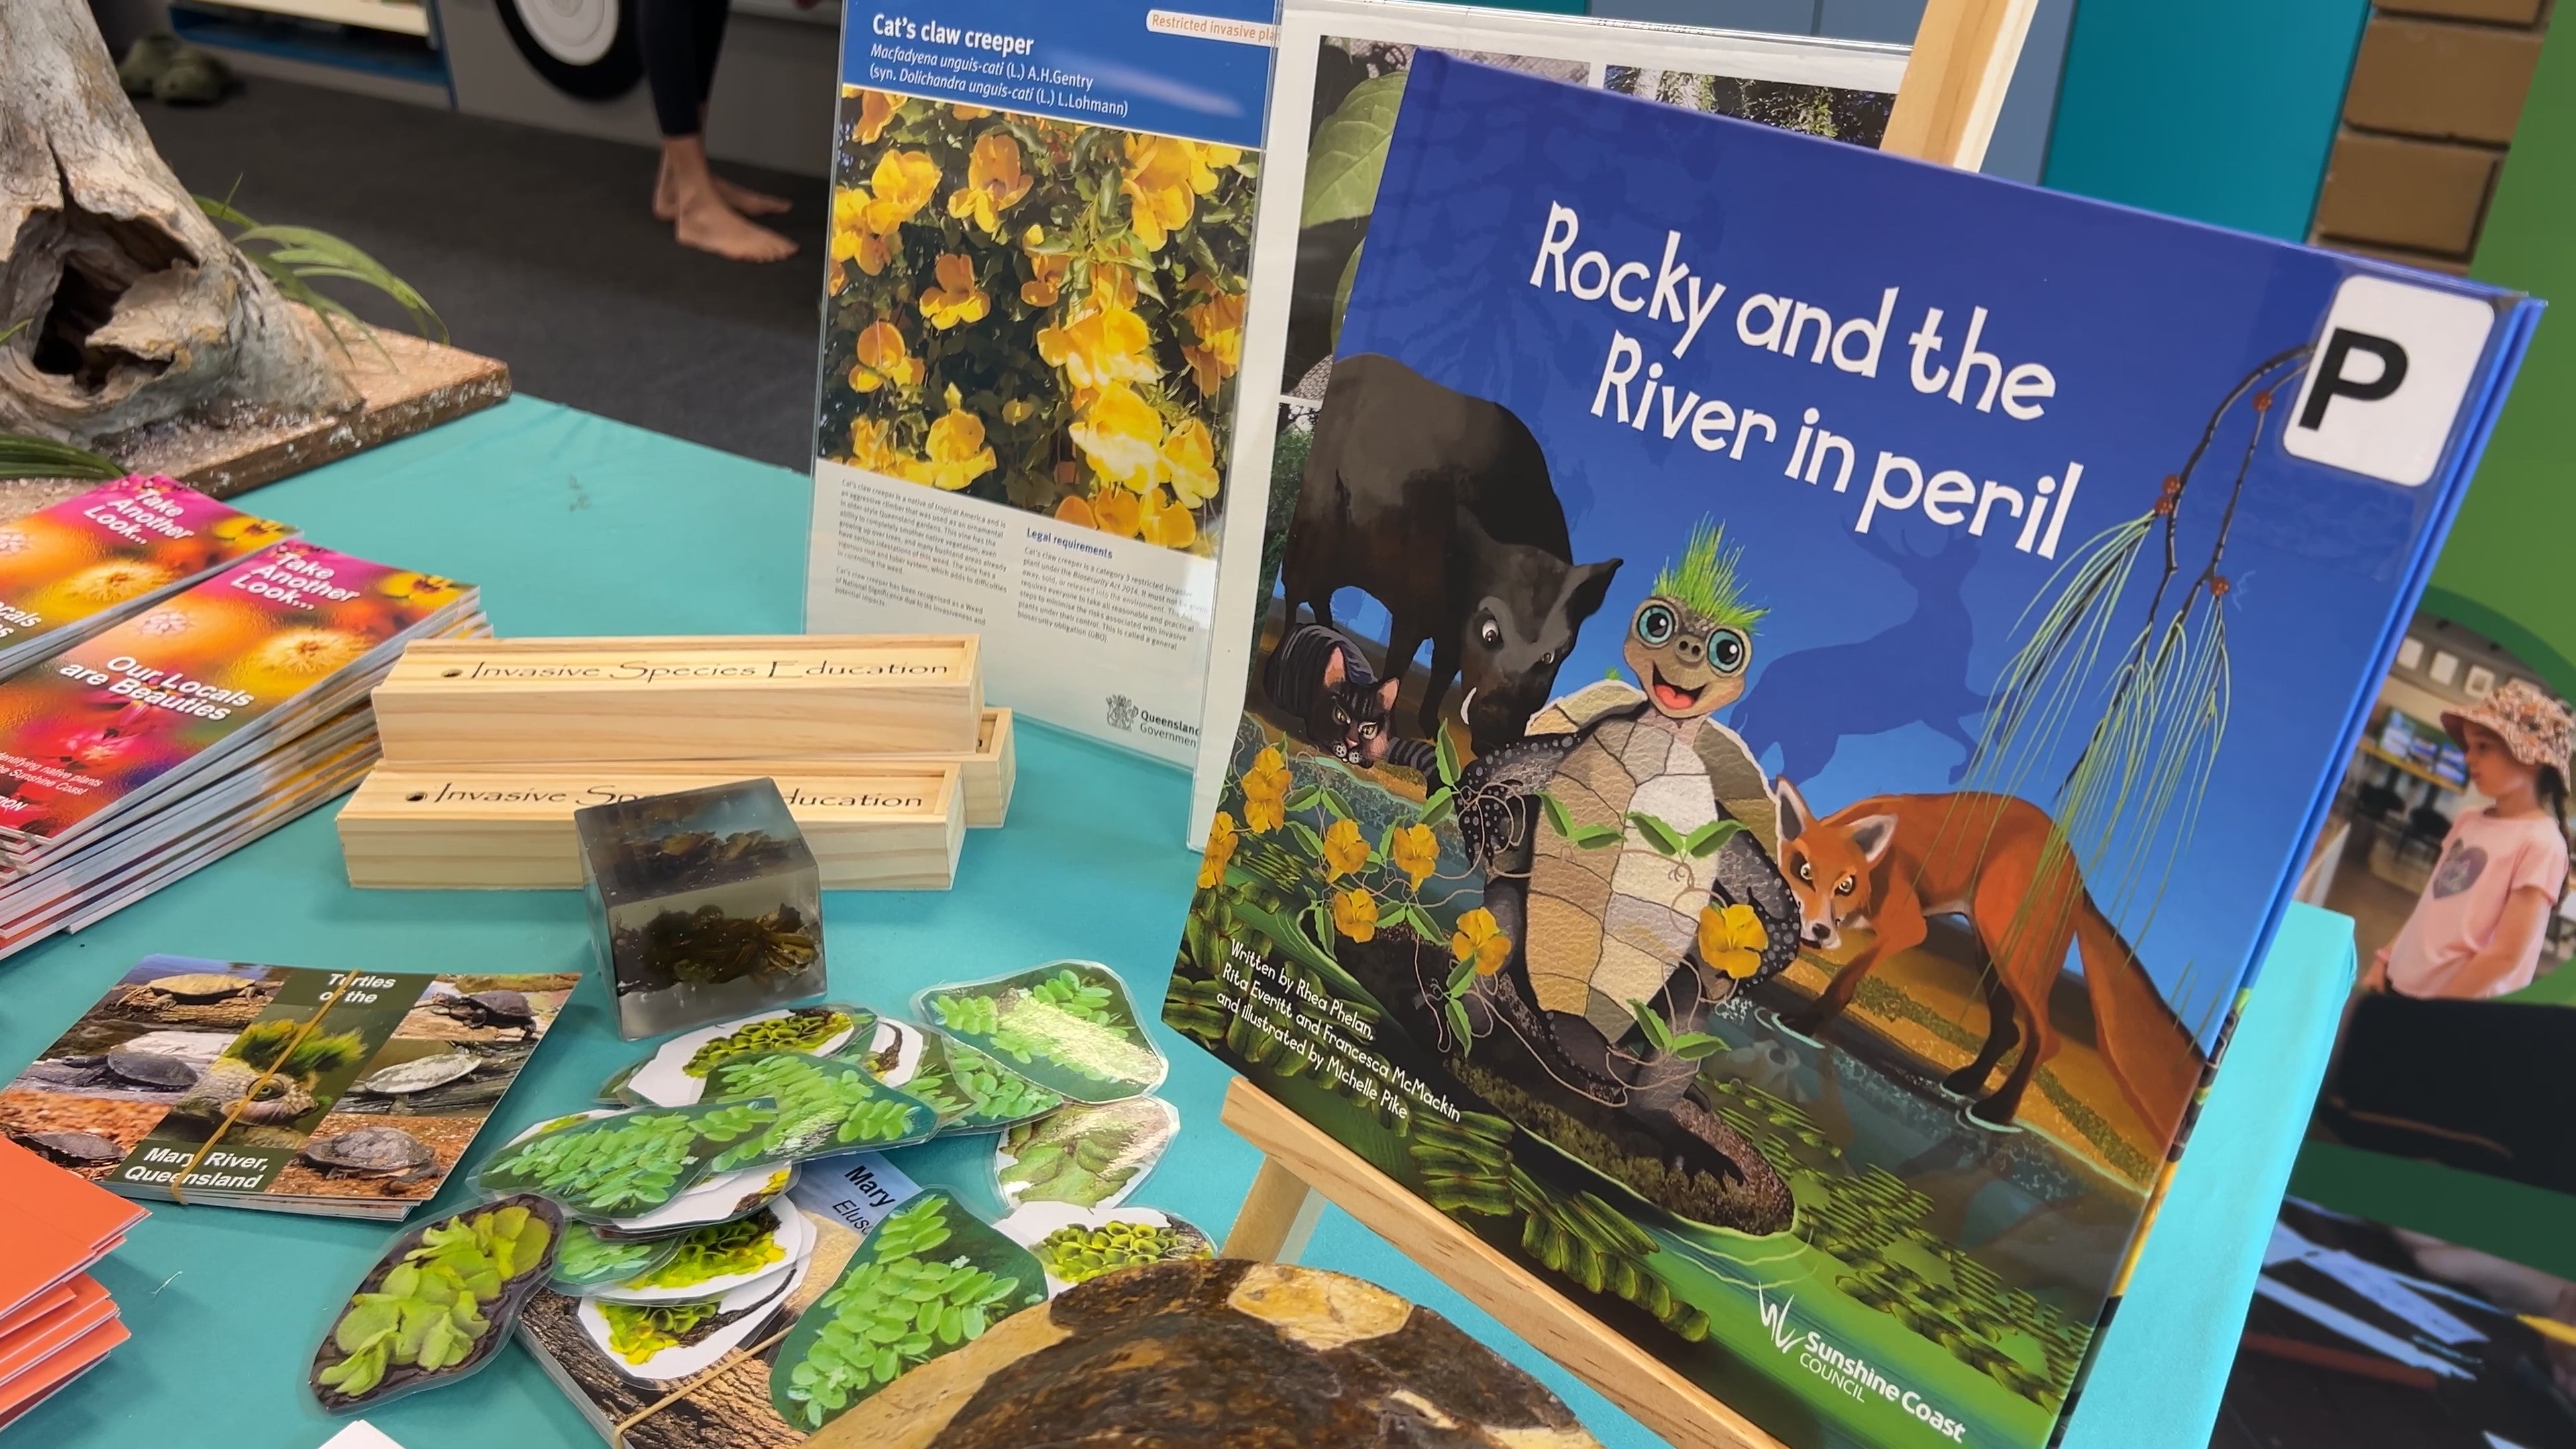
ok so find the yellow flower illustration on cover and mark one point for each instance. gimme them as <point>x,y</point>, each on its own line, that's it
<point>1480,939</point>
<point>1355,913</point>
<point>1166,523</point>
<point>1416,852</point>
<point>1220,850</point>
<point>1345,849</point>
<point>956,301</point>
<point>1105,345</point>
<point>883,359</point>
<point>1081,286</point>
<point>1189,463</point>
<point>1121,436</point>
<point>1731,940</point>
<point>1165,177</point>
<point>1265,791</point>
<point>877,110</point>
<point>994,183</point>
<point>957,454</point>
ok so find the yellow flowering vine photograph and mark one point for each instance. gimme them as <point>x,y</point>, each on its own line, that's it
<point>1036,313</point>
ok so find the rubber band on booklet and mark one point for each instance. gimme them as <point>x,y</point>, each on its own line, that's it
<point>250,1094</point>
<point>732,1363</point>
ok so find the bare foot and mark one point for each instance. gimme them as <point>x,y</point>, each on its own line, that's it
<point>709,225</point>
<point>749,202</point>
<point>744,200</point>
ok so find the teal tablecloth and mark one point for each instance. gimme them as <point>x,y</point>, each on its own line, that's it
<point>576,525</point>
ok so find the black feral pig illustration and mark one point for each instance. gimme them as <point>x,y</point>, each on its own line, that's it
<point>1439,506</point>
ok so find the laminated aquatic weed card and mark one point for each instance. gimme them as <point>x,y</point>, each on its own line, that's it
<point>931,1278</point>
<point>971,1091</point>
<point>1067,1026</point>
<point>1893,635</point>
<point>1077,1244</point>
<point>1086,1156</point>
<point>432,1310</point>
<point>675,1073</point>
<point>718,1259</point>
<point>621,1164</point>
<point>585,1259</point>
<point>823,1105</point>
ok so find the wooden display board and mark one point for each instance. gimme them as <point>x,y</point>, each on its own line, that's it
<point>1963,60</point>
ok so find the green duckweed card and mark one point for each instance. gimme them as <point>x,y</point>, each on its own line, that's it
<point>586,1259</point>
<point>622,1164</point>
<point>1067,1026</point>
<point>1085,1156</point>
<point>930,1278</point>
<point>674,1073</point>
<point>972,1091</point>
<point>825,1105</point>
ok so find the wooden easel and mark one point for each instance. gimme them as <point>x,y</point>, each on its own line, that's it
<point>1963,59</point>
<point>1303,1167</point>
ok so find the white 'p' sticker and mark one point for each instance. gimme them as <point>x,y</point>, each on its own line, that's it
<point>2386,382</point>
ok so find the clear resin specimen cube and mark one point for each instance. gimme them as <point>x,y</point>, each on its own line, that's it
<point>704,905</point>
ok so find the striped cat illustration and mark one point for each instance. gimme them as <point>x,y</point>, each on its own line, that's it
<point>1318,675</point>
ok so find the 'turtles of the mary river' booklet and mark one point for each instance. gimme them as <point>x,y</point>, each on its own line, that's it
<point>343,1093</point>
<point>1871,645</point>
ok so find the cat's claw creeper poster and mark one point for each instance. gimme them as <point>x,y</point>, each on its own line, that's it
<point>1033,313</point>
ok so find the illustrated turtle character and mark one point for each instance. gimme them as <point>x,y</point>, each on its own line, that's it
<point>264,1081</point>
<point>499,1010</point>
<point>1623,845</point>
<point>190,988</point>
<point>371,1152</point>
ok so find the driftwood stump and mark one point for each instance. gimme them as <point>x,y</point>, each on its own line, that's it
<point>137,310</point>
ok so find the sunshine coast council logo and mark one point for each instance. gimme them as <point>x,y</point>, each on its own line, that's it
<point>1122,712</point>
<point>1848,1372</point>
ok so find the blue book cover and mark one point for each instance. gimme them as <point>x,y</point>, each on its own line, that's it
<point>1866,649</point>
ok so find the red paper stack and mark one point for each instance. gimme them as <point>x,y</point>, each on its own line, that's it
<point>55,1321</point>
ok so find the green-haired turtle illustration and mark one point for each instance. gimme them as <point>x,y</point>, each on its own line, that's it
<point>1623,845</point>
<point>269,1071</point>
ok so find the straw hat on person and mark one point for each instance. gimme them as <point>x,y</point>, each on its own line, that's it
<point>2533,726</point>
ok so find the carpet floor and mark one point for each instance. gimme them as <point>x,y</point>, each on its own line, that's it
<point>537,248</point>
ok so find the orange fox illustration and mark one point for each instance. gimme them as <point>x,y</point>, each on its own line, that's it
<point>1891,861</point>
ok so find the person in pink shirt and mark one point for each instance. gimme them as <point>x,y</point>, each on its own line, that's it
<point>2477,929</point>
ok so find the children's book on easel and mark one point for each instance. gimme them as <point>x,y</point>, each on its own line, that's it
<point>1892,635</point>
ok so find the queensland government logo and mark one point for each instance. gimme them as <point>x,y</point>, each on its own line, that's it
<point>1848,1372</point>
<point>1122,712</point>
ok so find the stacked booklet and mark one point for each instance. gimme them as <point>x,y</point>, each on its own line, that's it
<point>56,1322</point>
<point>196,725</point>
<point>68,571</point>
<point>338,1093</point>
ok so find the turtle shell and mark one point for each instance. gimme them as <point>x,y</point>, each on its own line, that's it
<point>71,1149</point>
<point>151,1069</point>
<point>1221,1355</point>
<point>368,1149</point>
<point>201,986</point>
<point>504,1005</point>
<point>420,1074</point>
